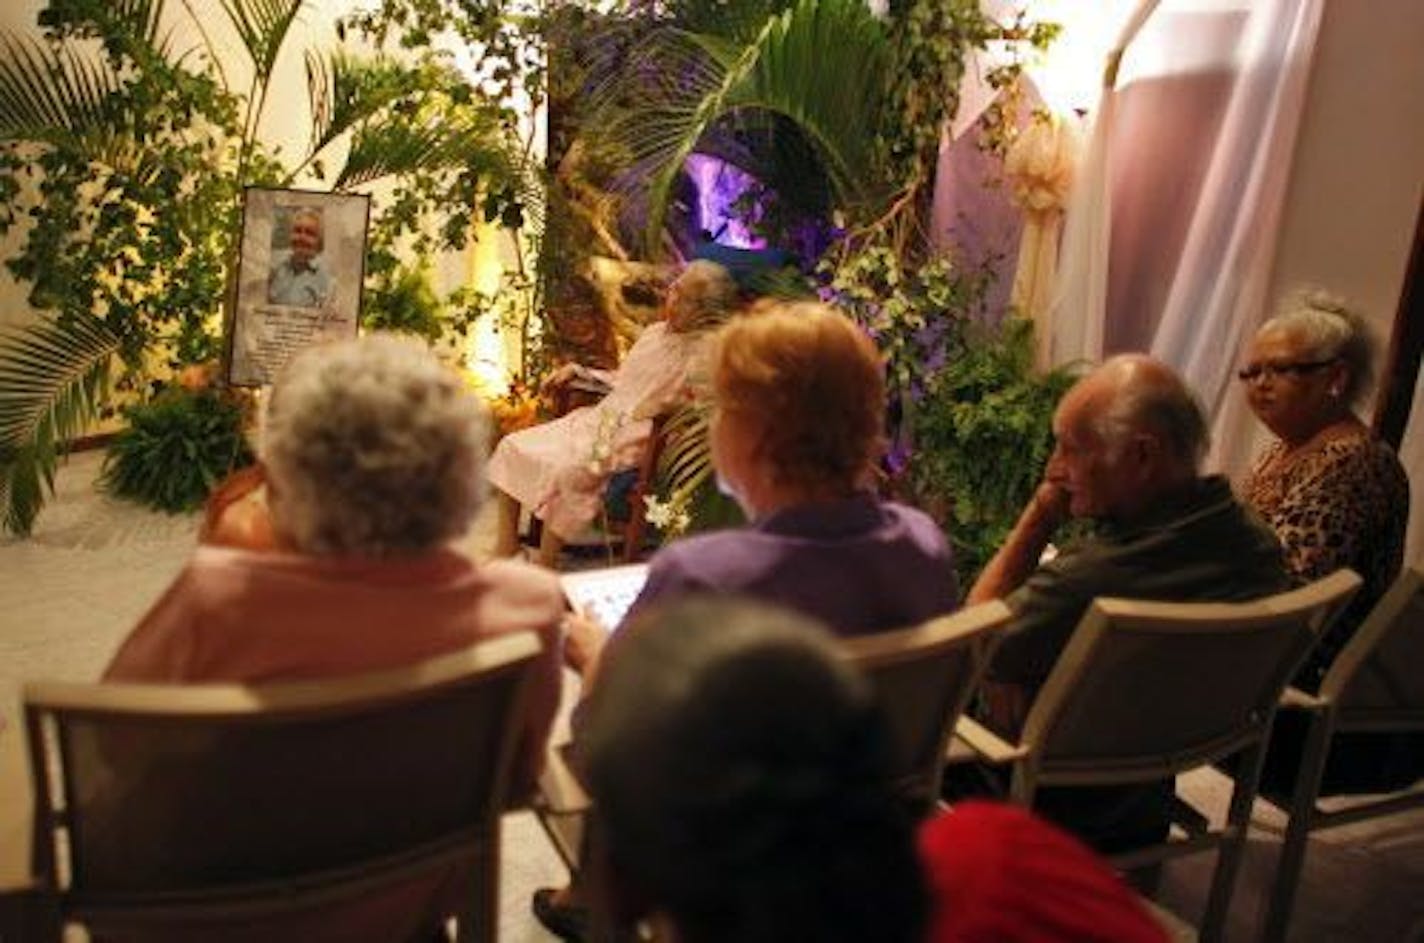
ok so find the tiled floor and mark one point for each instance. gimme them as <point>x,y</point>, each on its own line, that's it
<point>68,594</point>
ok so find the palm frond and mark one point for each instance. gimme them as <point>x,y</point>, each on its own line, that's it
<point>135,21</point>
<point>262,25</point>
<point>345,91</point>
<point>403,143</point>
<point>53,377</point>
<point>686,459</point>
<point>738,19</point>
<point>46,92</point>
<point>64,94</point>
<point>821,65</point>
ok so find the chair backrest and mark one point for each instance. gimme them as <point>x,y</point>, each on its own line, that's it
<point>1145,690</point>
<point>238,795</point>
<point>923,677</point>
<point>1376,679</point>
<point>643,487</point>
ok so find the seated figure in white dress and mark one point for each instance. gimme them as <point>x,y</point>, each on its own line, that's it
<point>557,470</point>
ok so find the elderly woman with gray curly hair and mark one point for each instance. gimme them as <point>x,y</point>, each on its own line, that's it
<point>373,457</point>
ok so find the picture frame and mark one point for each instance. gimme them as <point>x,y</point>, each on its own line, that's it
<point>300,274</point>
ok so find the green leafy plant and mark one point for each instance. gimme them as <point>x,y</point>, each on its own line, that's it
<point>409,304</point>
<point>981,434</point>
<point>915,313</point>
<point>176,447</point>
<point>50,386</point>
<point>123,154</point>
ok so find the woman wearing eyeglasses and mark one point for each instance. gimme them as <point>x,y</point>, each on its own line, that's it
<point>1333,492</point>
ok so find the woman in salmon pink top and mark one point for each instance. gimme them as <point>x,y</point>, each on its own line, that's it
<point>373,459</point>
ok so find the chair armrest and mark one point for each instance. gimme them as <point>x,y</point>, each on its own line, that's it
<point>983,742</point>
<point>595,386</point>
<point>1296,699</point>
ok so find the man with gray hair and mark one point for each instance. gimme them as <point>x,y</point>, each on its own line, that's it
<point>1130,439</point>
<point>1129,443</point>
<point>300,277</point>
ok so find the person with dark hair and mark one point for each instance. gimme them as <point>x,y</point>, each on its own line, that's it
<point>742,784</point>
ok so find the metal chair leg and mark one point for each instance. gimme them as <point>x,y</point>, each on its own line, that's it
<point>1302,809</point>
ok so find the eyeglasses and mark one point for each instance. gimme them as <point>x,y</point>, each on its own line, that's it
<point>1272,370</point>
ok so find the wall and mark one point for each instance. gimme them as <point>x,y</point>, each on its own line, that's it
<point>1355,189</point>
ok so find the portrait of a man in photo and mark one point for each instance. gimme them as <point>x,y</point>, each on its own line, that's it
<point>299,276</point>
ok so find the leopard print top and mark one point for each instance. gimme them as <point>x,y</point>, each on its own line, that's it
<point>1344,503</point>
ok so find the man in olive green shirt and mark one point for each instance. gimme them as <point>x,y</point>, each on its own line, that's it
<point>1129,443</point>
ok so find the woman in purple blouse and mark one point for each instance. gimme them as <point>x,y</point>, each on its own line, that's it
<point>796,434</point>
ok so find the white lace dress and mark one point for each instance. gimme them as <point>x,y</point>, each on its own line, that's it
<point>557,469</point>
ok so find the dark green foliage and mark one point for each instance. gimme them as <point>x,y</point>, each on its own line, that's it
<point>982,434</point>
<point>408,304</point>
<point>49,387</point>
<point>177,446</point>
<point>710,509</point>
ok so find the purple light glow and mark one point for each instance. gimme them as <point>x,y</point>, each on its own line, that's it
<point>719,184</point>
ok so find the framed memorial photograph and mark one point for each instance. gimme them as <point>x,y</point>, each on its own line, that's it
<point>299,277</point>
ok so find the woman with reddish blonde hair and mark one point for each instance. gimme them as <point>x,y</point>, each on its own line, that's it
<point>799,396</point>
<point>799,406</point>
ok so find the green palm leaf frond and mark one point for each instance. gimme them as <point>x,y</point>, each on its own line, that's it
<point>133,27</point>
<point>262,25</point>
<point>740,19</point>
<point>345,91</point>
<point>57,95</point>
<point>53,377</point>
<point>686,459</point>
<point>405,143</point>
<point>147,15</point>
<point>821,65</point>
<point>46,92</point>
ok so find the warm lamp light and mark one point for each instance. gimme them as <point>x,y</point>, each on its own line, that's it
<point>486,354</point>
<point>1070,74</point>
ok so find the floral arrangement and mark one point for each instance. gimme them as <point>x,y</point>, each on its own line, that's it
<point>671,515</point>
<point>602,456</point>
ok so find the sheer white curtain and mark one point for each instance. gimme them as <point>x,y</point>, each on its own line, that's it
<point>1220,286</point>
<point>1230,109</point>
<point>1080,302</point>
